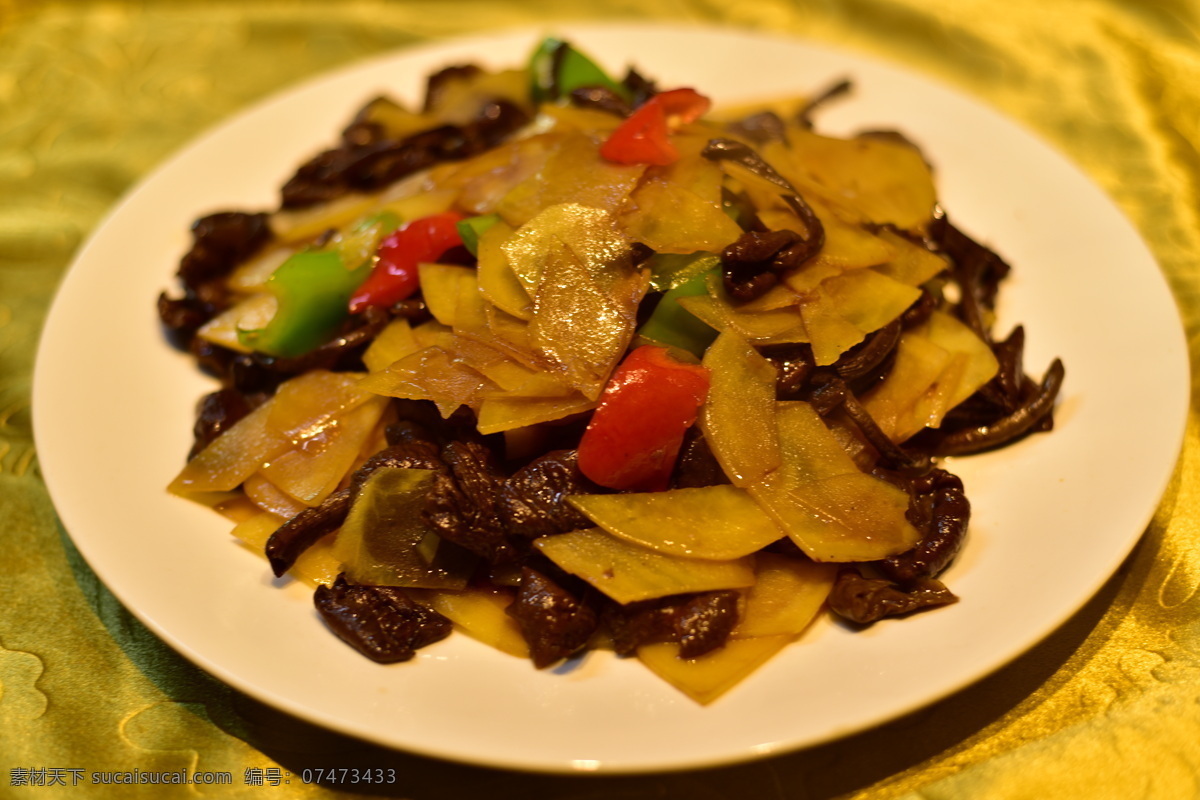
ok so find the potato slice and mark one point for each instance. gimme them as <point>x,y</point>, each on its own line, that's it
<point>432,333</point>
<point>867,299</point>
<point>787,595</point>
<point>460,95</point>
<point>886,181</point>
<point>300,416</point>
<point>718,523</point>
<point>255,531</point>
<point>497,414</point>
<point>830,333</point>
<point>955,337</point>
<point>829,509</point>
<point>303,224</point>
<point>706,678</point>
<point>423,204</point>
<point>497,281</point>
<point>451,293</point>
<point>834,532</point>
<point>938,364</point>
<point>574,172</point>
<point>518,382</point>
<point>669,270</point>
<point>311,471</point>
<point>812,448</point>
<point>776,325</point>
<point>910,263</point>
<point>481,615</point>
<point>269,497</point>
<point>781,295</point>
<point>847,244</point>
<point>233,456</point>
<point>865,505</point>
<point>477,352</point>
<point>677,208</point>
<point>942,395</point>
<point>916,366</point>
<point>303,406</point>
<point>508,375</point>
<point>806,280</point>
<point>315,566</point>
<point>738,418</point>
<point>628,572</point>
<point>511,334</point>
<point>485,180</point>
<point>430,374</point>
<point>840,312</point>
<point>393,343</point>
<point>586,291</point>
<point>250,313</point>
<point>564,118</point>
<point>672,219</point>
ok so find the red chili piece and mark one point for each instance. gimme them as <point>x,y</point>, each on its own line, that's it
<point>635,434</point>
<point>394,277</point>
<point>644,136</point>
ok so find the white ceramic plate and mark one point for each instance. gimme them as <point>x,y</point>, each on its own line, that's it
<point>1054,515</point>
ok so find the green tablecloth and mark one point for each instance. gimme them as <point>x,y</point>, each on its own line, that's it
<point>94,95</point>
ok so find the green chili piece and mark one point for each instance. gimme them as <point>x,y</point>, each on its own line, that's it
<point>312,289</point>
<point>673,325</point>
<point>556,69</point>
<point>471,228</point>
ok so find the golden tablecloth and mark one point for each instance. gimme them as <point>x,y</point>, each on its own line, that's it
<point>94,95</point>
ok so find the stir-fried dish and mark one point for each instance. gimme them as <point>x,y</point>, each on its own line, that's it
<point>567,362</point>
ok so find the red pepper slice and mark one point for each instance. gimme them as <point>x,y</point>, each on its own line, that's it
<point>641,139</point>
<point>683,105</point>
<point>644,136</point>
<point>394,277</point>
<point>635,434</point>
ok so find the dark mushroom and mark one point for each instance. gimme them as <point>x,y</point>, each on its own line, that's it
<point>864,358</point>
<point>833,91</point>
<point>829,391</point>
<point>941,510</point>
<point>804,247</point>
<point>381,622</point>
<point>600,98</point>
<point>699,623</point>
<point>372,162</point>
<point>1010,427</point>
<point>292,538</point>
<point>865,600</point>
<point>466,509</point>
<point>533,500</point>
<point>556,622</point>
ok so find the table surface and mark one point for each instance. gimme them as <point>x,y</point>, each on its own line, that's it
<point>94,95</point>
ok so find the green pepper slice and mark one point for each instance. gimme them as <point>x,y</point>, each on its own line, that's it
<point>556,69</point>
<point>673,325</point>
<point>471,228</point>
<point>313,287</point>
